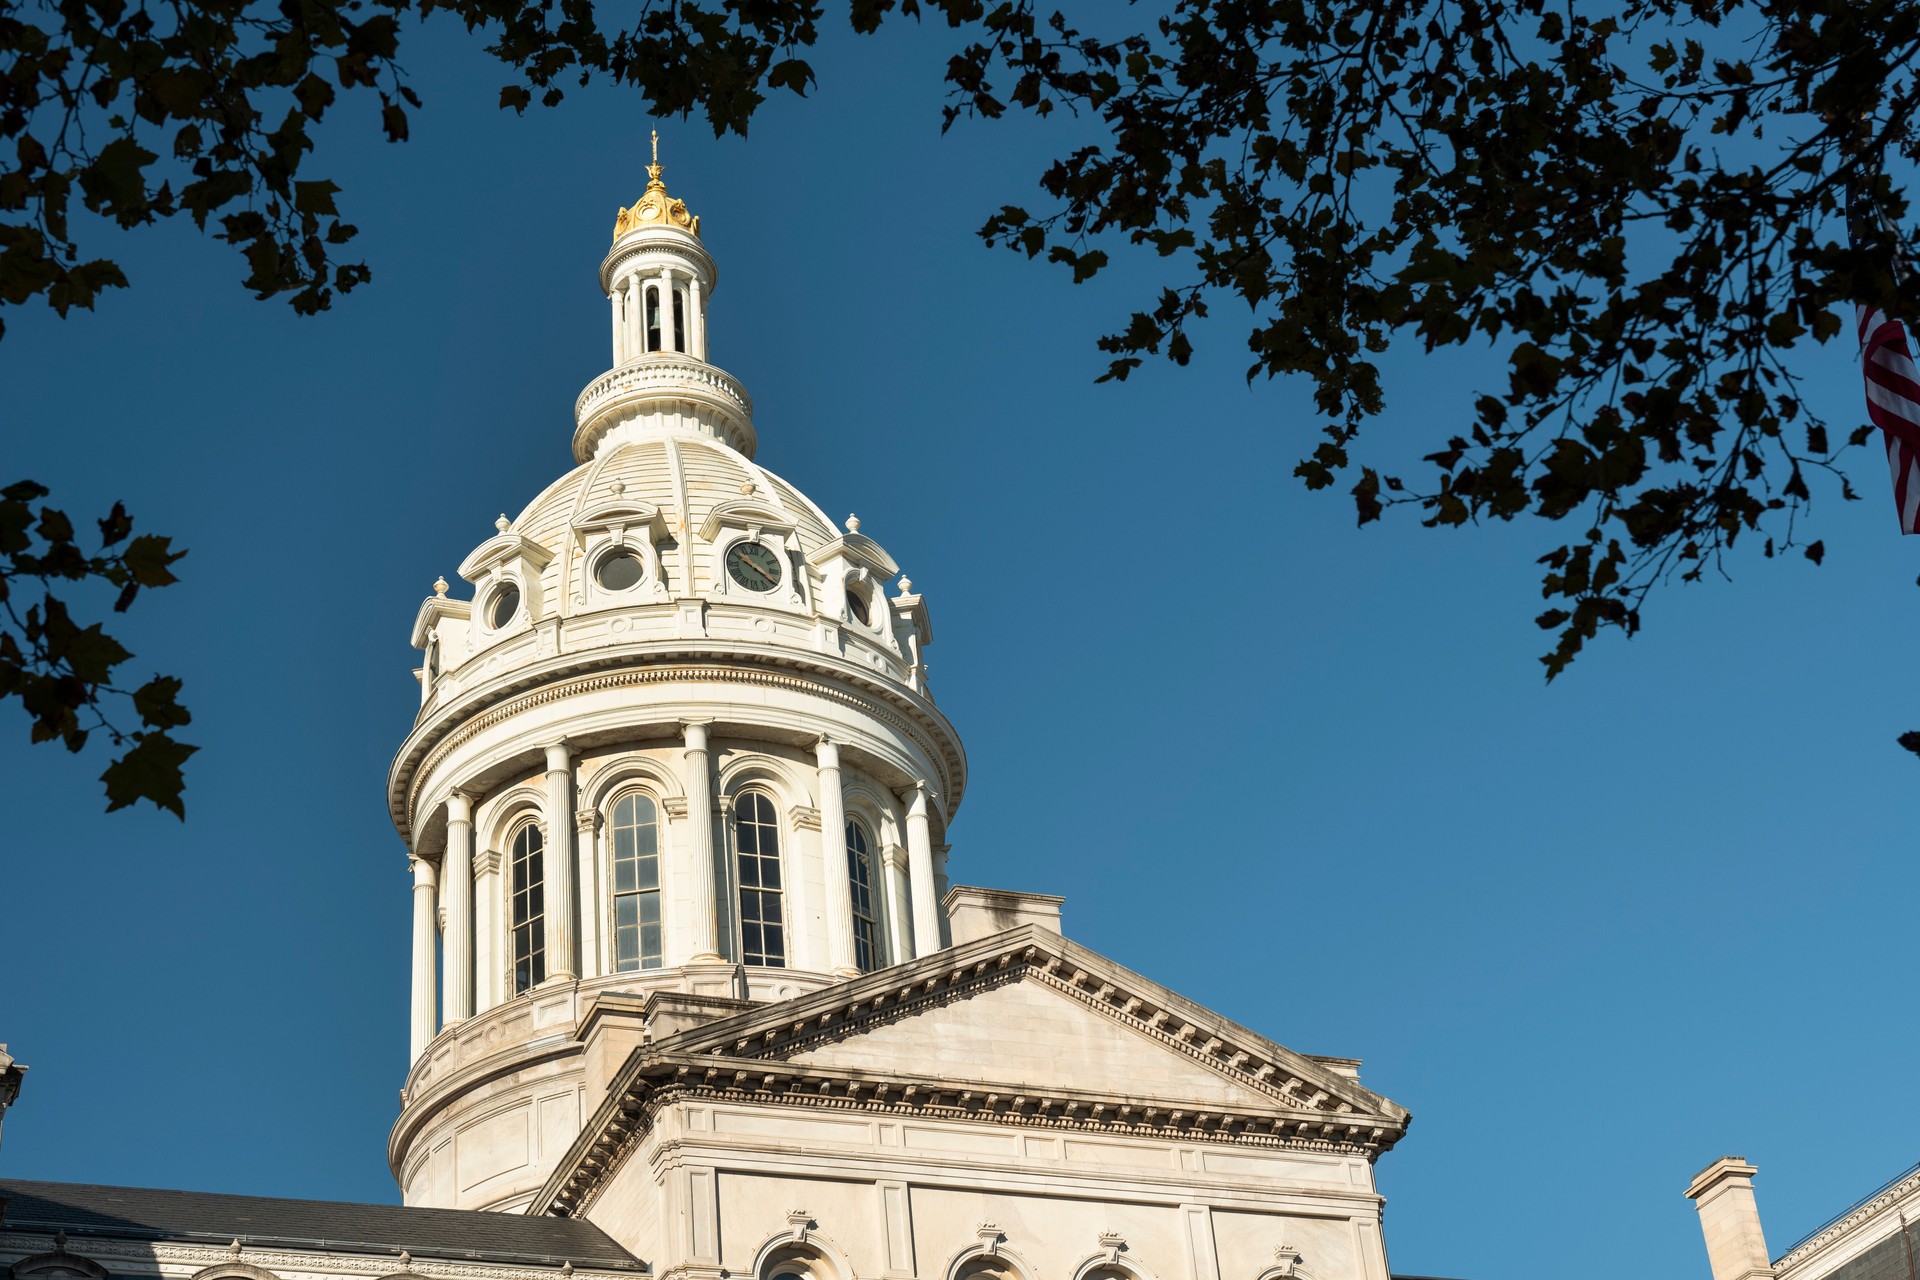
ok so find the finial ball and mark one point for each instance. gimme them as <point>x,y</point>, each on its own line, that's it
<point>853,524</point>
<point>440,586</point>
<point>502,523</point>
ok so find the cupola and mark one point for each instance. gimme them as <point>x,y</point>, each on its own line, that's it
<point>659,280</point>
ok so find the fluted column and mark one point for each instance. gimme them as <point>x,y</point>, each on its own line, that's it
<point>619,326</point>
<point>456,996</point>
<point>833,848</point>
<point>696,322</point>
<point>424,912</point>
<point>562,910</point>
<point>926,910</point>
<point>706,920</point>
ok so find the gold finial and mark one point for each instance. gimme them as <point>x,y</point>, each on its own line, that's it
<point>655,207</point>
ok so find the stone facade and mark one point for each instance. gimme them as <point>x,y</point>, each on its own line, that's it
<point>1877,1238</point>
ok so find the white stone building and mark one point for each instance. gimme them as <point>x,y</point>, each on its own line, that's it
<point>689,978</point>
<point>1875,1238</point>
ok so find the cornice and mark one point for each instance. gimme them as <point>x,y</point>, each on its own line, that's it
<point>432,741</point>
<point>1849,1223</point>
<point>742,1059</point>
<point>338,1258</point>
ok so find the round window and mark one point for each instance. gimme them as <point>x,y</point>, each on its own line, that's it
<point>754,565</point>
<point>619,570</point>
<point>506,603</point>
<point>857,606</point>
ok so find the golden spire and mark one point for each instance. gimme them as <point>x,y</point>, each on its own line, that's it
<point>656,208</point>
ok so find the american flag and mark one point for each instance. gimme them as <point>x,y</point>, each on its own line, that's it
<point>1893,385</point>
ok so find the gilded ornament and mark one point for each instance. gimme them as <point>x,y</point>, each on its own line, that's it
<point>655,206</point>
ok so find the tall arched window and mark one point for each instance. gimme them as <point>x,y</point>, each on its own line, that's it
<point>866,933</point>
<point>763,934</point>
<point>529,910</point>
<point>636,884</point>
<point>653,317</point>
<point>679,323</point>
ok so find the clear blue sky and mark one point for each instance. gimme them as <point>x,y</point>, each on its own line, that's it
<point>1593,935</point>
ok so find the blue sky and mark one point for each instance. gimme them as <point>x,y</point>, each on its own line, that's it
<point>1593,935</point>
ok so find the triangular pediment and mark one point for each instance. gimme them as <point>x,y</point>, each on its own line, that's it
<point>1024,1028</point>
<point>1027,1036</point>
<point>1030,1008</point>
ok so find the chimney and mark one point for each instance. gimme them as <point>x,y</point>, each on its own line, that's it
<point>1730,1220</point>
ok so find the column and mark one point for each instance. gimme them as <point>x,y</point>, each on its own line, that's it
<point>666,309</point>
<point>424,912</point>
<point>926,911</point>
<point>456,996</point>
<point>558,861</point>
<point>636,319</point>
<point>894,859</point>
<point>619,326</point>
<point>833,848</point>
<point>706,924</point>
<point>586,827</point>
<point>696,322</point>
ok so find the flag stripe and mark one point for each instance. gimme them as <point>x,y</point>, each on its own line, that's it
<point>1893,405</point>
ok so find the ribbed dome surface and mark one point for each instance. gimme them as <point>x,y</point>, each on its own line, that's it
<point>685,476</point>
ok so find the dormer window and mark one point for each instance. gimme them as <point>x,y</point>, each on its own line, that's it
<point>619,570</point>
<point>504,606</point>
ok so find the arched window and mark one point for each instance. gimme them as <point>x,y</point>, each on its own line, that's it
<point>636,884</point>
<point>529,911</point>
<point>866,934</point>
<point>653,317</point>
<point>679,323</point>
<point>763,935</point>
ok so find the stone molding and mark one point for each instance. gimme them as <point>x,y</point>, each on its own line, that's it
<point>218,1259</point>
<point>419,764</point>
<point>58,1261</point>
<point>1313,1109</point>
<point>1907,1188</point>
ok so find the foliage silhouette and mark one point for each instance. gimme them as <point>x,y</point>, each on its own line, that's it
<point>1649,231</point>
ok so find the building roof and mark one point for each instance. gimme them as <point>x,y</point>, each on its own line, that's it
<point>1890,1259</point>
<point>142,1213</point>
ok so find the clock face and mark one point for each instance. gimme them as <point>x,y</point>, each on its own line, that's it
<point>754,565</point>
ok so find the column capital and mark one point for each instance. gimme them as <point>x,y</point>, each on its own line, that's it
<point>892,855</point>
<point>586,821</point>
<point>915,797</point>
<point>423,873</point>
<point>459,806</point>
<point>559,756</point>
<point>826,752</point>
<point>695,732</point>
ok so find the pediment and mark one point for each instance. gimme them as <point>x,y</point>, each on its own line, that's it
<point>1021,1028</point>
<point>1028,1037</point>
<point>1029,1010</point>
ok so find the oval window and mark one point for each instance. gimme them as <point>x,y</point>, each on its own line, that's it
<point>619,570</point>
<point>506,603</point>
<point>857,606</point>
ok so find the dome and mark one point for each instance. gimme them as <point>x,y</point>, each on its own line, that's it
<point>677,742</point>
